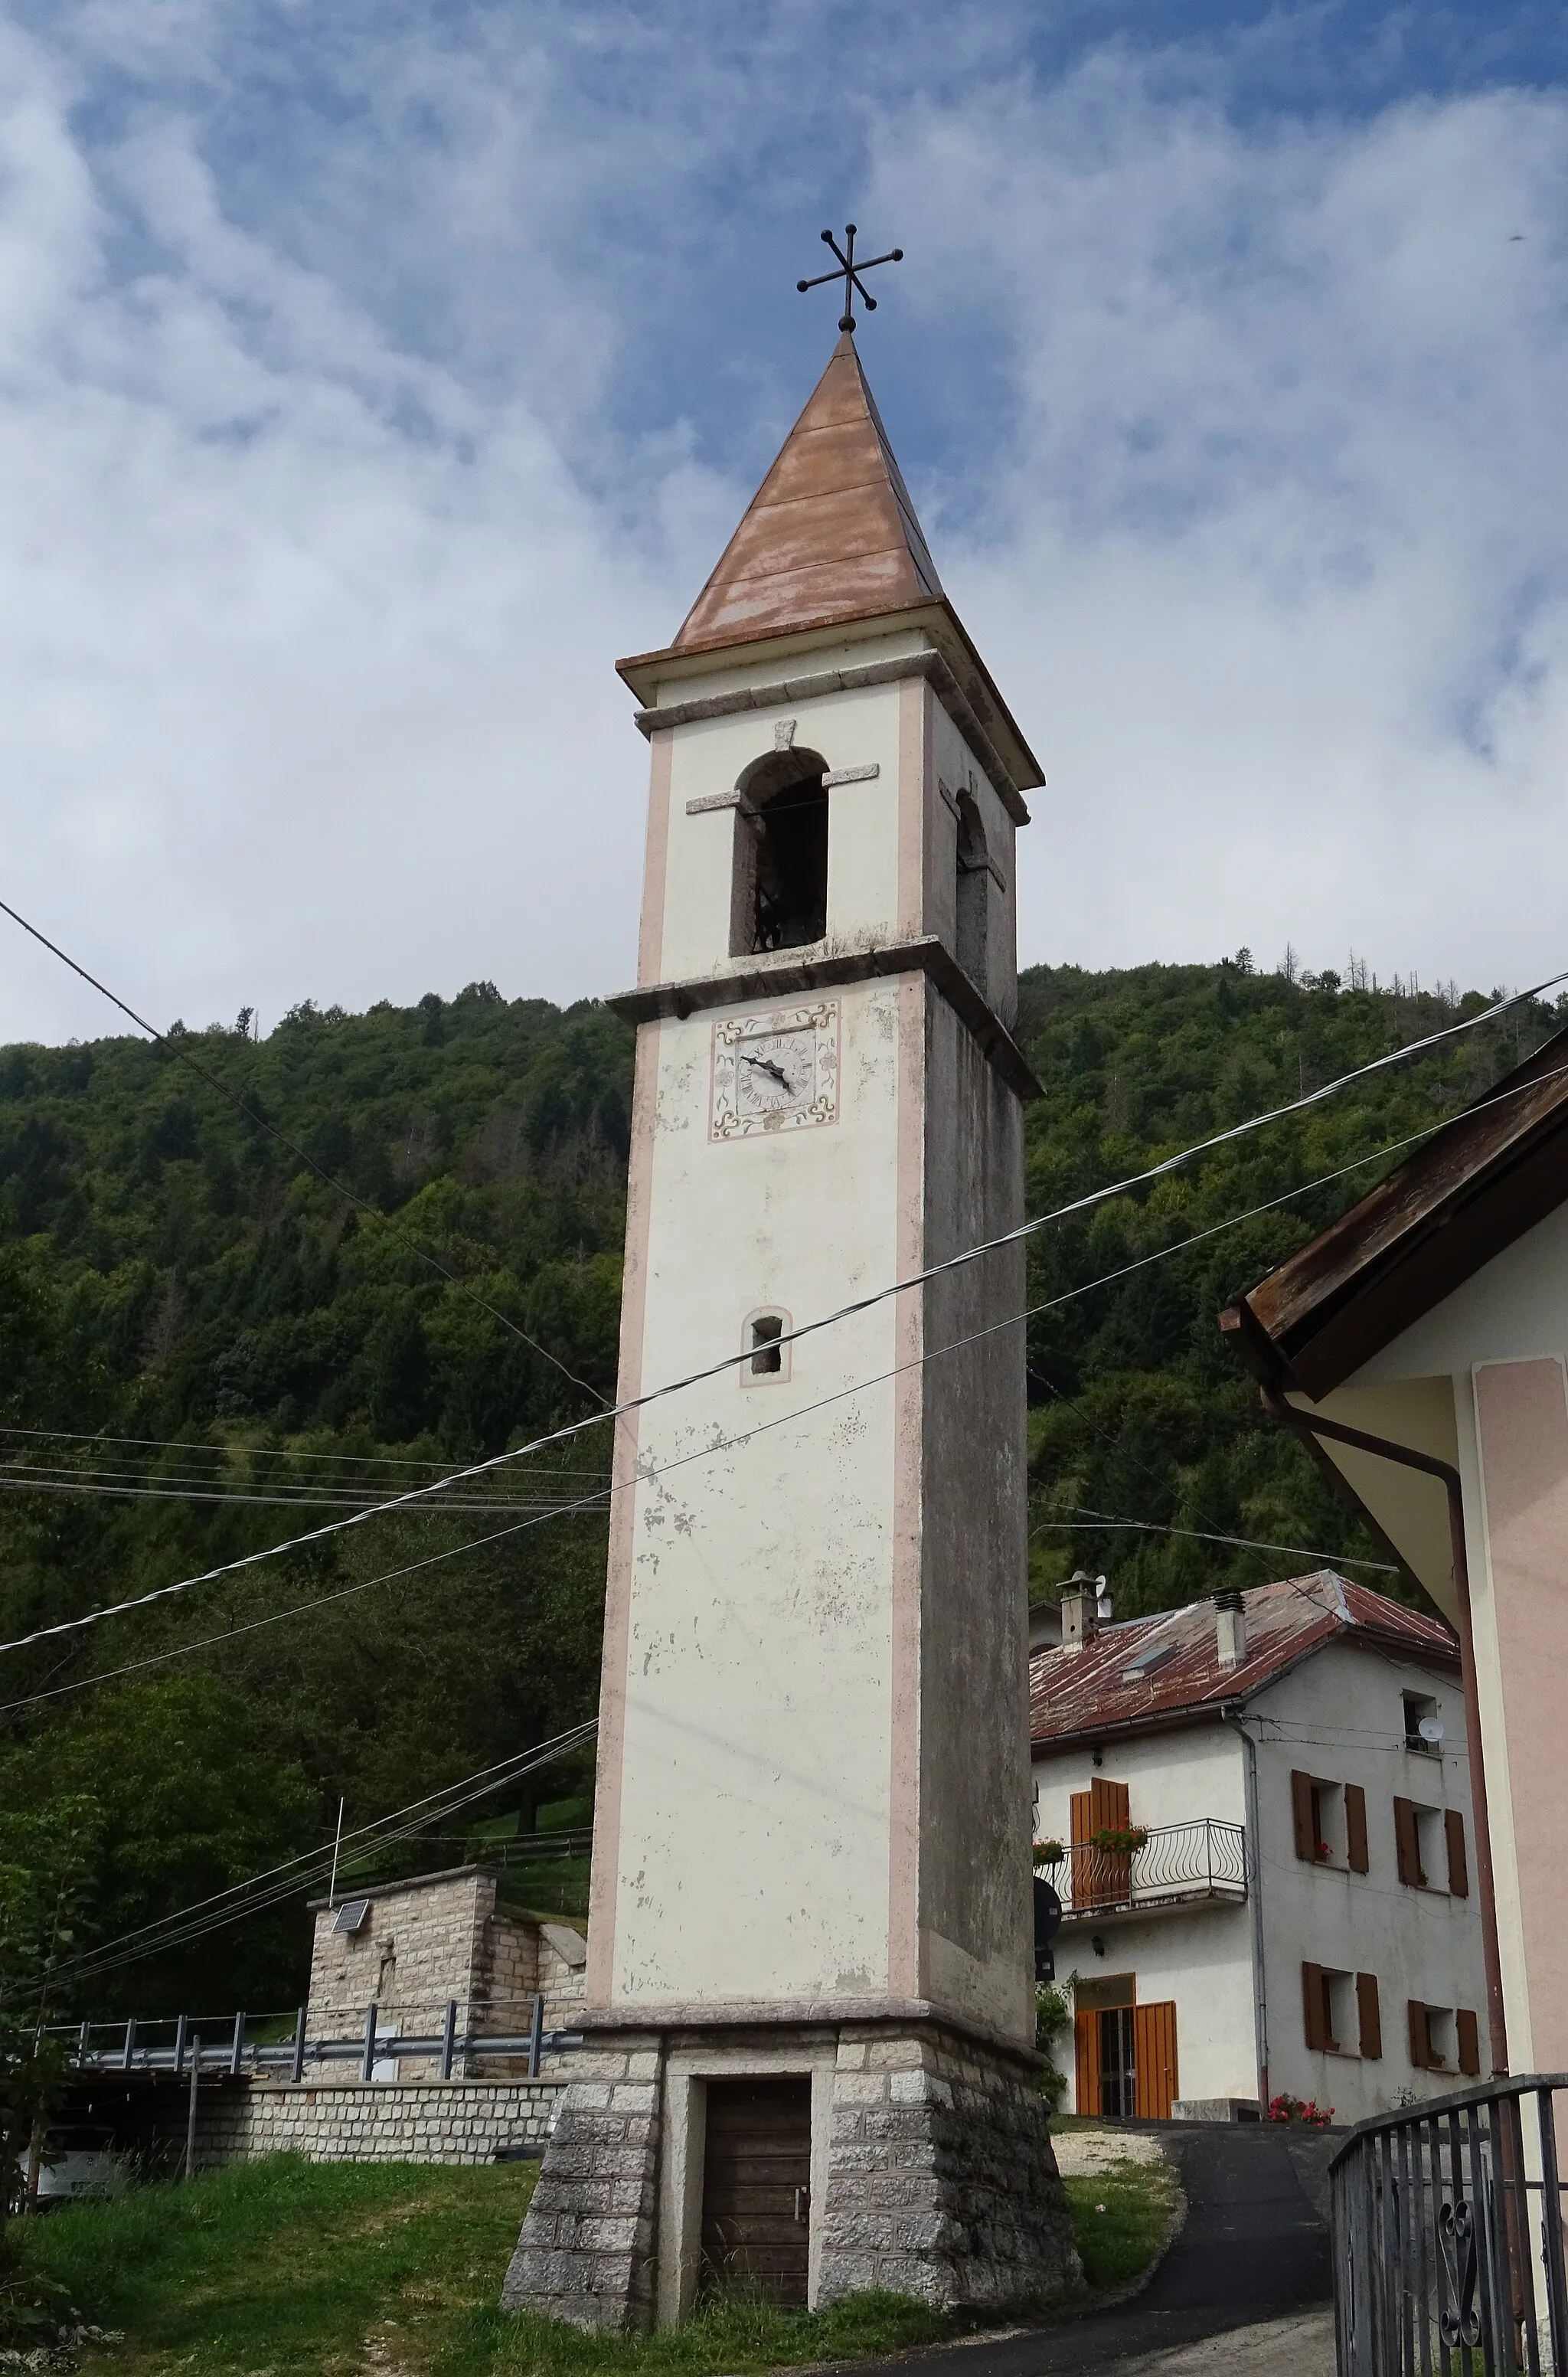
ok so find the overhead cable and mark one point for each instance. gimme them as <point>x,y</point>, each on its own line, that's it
<point>365,1204</point>
<point>844,1312</point>
<point>604,1494</point>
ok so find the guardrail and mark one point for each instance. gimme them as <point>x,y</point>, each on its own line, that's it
<point>225,2045</point>
<point>1176,1863</point>
<point>1447,2226</point>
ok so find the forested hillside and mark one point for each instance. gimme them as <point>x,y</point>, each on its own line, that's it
<point>206,1347</point>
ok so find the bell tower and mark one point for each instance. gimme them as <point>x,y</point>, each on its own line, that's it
<point>809,2062</point>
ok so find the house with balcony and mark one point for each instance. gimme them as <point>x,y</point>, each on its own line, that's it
<point>1255,1812</point>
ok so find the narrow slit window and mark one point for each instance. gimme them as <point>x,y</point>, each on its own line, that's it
<point>767,1353</point>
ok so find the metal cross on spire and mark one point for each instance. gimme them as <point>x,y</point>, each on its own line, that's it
<point>850,273</point>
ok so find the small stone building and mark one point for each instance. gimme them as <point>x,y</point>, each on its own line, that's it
<point>409,1948</point>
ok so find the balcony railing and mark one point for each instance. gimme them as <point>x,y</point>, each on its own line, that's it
<point>1448,2237</point>
<point>1176,1864</point>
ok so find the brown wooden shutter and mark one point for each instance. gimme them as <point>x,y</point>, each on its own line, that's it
<point>1155,2084</point>
<point>1087,2041</point>
<point>1469,2037</point>
<point>1356,1829</point>
<point>1458,1863</point>
<point>1311,2006</point>
<point>1407,1842</point>
<point>1302,1810</point>
<point>1369,2019</point>
<point>1082,1823</point>
<point>1421,2036</point>
<point>1111,1807</point>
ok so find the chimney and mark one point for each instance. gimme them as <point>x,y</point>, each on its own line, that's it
<point>1230,1626</point>
<point>1080,1609</point>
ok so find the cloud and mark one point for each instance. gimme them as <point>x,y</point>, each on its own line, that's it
<point>372,376</point>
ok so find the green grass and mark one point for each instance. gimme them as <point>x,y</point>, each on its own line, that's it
<point>284,2268</point>
<point>1122,2239</point>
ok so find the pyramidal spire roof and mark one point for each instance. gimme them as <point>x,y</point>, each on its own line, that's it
<point>831,534</point>
<point>831,540</point>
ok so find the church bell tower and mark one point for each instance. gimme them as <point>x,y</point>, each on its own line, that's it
<point>809,2058</point>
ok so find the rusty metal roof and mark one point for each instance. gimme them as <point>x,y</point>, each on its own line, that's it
<point>1474,1186</point>
<point>1146,1670</point>
<point>831,534</point>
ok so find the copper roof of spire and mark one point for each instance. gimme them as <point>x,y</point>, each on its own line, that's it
<point>831,540</point>
<point>831,534</point>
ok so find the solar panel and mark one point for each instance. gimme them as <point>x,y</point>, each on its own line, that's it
<point>352,1916</point>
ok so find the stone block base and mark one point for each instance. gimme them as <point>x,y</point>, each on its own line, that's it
<point>933,2171</point>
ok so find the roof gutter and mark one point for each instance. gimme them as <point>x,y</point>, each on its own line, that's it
<point>1311,1424</point>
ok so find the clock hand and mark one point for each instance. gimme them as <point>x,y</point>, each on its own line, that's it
<point>765,1065</point>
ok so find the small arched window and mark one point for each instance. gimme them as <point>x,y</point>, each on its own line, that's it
<point>766,1360</point>
<point>973,891</point>
<point>781,888</point>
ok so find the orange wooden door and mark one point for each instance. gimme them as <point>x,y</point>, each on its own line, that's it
<point>1085,2028</point>
<point>1157,2084</point>
<point>1100,1877</point>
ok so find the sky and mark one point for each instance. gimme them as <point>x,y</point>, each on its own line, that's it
<point>373,375</point>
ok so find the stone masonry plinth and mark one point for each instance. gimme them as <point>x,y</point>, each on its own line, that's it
<point>933,2173</point>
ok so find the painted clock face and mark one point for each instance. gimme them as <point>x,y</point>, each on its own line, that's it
<point>775,1072</point>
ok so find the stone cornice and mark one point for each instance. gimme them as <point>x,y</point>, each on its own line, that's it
<point>660,2017</point>
<point>776,977</point>
<point>774,695</point>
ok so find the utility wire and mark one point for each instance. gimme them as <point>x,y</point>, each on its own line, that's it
<point>828,1320</point>
<point>279,1453</point>
<point>1099,1522</point>
<point>602,1495</point>
<point>176,1050</point>
<point>278,1883</point>
<point>302,1501</point>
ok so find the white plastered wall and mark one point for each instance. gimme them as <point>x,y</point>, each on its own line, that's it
<point>1339,1718</point>
<point>761,1575</point>
<point>1199,1957</point>
<point>1514,1308</point>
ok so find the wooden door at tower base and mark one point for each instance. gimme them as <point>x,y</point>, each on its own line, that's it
<point>1156,2082</point>
<point>757,2188</point>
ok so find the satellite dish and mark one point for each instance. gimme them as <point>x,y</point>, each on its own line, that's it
<point>1431,1730</point>
<point>1047,1912</point>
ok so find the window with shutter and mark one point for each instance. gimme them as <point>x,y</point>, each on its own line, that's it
<point>1356,1855</point>
<point>1458,1864</point>
<point>1420,2035</point>
<point>1469,2039</point>
<point>1305,1819</point>
<point>1407,1843</point>
<point>1369,2018</point>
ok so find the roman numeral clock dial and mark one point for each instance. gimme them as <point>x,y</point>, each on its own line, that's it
<point>774,1072</point>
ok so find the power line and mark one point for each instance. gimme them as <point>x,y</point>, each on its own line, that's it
<point>255,1452</point>
<point>365,1205</point>
<point>281,1883</point>
<point>604,1494</point>
<point>125,1491</point>
<point>844,1312</point>
<point>1101,1520</point>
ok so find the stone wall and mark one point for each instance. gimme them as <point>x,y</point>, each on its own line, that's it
<point>941,2179</point>
<point>429,1941</point>
<point>455,2122</point>
<point>933,2167</point>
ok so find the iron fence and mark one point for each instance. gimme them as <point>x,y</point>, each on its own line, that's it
<point>1447,2225</point>
<point>230,2045</point>
<point>1172,1864</point>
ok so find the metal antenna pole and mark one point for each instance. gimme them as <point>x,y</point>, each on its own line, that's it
<point>336,1844</point>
